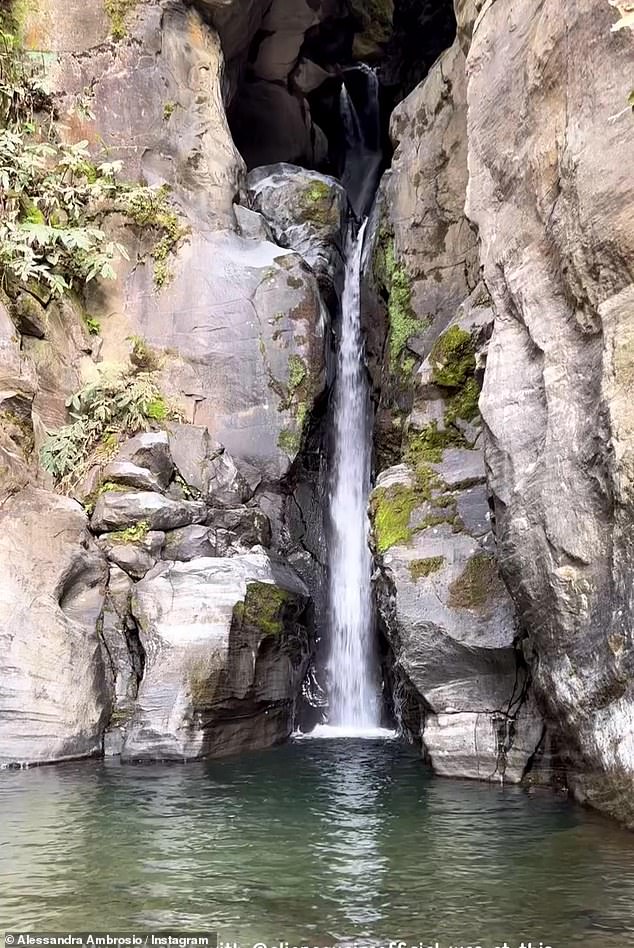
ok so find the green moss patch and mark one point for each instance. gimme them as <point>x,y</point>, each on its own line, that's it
<point>297,372</point>
<point>420,569</point>
<point>392,508</point>
<point>476,585</point>
<point>318,205</point>
<point>117,11</point>
<point>464,404</point>
<point>289,441</point>
<point>403,322</point>
<point>263,608</point>
<point>427,445</point>
<point>131,534</point>
<point>453,358</point>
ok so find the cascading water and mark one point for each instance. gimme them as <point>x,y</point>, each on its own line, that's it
<point>352,685</point>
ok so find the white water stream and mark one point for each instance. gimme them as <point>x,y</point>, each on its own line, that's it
<point>353,690</point>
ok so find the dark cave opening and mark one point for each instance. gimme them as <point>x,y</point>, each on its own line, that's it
<point>285,104</point>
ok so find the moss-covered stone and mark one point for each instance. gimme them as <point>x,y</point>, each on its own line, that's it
<point>117,11</point>
<point>392,277</point>
<point>464,404</point>
<point>427,445</point>
<point>263,608</point>
<point>289,441</point>
<point>134,534</point>
<point>318,205</point>
<point>453,358</point>
<point>297,372</point>
<point>477,583</point>
<point>391,510</point>
<point>420,569</point>
<point>374,19</point>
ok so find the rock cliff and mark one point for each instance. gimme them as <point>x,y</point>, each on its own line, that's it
<point>163,436</point>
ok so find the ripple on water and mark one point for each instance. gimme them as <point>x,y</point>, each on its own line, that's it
<point>326,840</point>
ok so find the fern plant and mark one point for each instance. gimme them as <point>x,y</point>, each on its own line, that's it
<point>119,401</point>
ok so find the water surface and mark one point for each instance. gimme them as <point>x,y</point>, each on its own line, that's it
<point>319,843</point>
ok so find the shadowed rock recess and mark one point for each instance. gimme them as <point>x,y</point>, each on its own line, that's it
<point>166,597</point>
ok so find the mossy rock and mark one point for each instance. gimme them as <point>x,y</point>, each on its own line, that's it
<point>427,445</point>
<point>392,509</point>
<point>453,358</point>
<point>478,583</point>
<point>392,277</point>
<point>263,608</point>
<point>421,569</point>
<point>319,205</point>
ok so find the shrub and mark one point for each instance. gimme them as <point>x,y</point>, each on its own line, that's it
<point>119,401</point>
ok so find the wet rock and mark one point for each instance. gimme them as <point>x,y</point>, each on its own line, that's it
<point>54,700</point>
<point>116,510</point>
<point>207,467</point>
<point>188,543</point>
<point>226,650</point>
<point>307,212</point>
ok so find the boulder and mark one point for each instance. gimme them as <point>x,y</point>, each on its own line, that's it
<point>226,650</point>
<point>134,554</point>
<point>307,212</point>
<point>207,467</point>
<point>149,451</point>
<point>54,700</point>
<point>118,510</point>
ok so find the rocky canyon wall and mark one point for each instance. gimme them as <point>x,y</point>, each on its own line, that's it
<point>507,225</point>
<point>162,602</point>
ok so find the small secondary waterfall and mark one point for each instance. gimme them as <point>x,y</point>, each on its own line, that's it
<point>351,666</point>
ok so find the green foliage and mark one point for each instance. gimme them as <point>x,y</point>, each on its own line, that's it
<point>476,584</point>
<point>297,372</point>
<point>116,402</point>
<point>49,199</point>
<point>168,110</point>
<point>150,208</point>
<point>403,322</point>
<point>420,569</point>
<point>117,11</point>
<point>92,325</point>
<point>134,534</point>
<point>453,358</point>
<point>289,441</point>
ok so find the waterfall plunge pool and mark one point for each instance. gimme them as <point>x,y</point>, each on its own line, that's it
<point>316,843</point>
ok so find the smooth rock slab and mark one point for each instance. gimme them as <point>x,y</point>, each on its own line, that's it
<point>116,510</point>
<point>226,652</point>
<point>54,700</point>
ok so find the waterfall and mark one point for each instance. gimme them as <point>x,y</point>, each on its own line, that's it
<point>362,128</point>
<point>352,662</point>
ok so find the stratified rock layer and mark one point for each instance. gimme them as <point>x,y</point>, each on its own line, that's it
<point>53,694</point>
<point>226,652</point>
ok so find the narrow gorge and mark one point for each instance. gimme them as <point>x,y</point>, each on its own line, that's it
<point>314,431</point>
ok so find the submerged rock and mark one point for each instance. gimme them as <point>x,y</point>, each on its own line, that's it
<point>226,650</point>
<point>54,700</point>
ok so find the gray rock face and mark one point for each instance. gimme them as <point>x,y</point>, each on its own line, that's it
<point>557,261</point>
<point>116,510</point>
<point>306,212</point>
<point>150,451</point>
<point>205,466</point>
<point>54,700</point>
<point>443,605</point>
<point>225,651</point>
<point>136,557</point>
